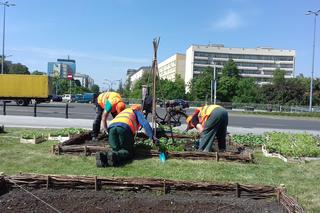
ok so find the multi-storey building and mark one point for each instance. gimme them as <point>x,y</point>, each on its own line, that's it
<point>85,80</point>
<point>175,65</point>
<point>258,63</point>
<point>133,78</point>
<point>61,68</point>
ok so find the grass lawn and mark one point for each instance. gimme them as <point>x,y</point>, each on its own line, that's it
<point>301,180</point>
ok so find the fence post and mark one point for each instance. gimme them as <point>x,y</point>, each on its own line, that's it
<point>4,108</point>
<point>35,109</point>
<point>67,109</point>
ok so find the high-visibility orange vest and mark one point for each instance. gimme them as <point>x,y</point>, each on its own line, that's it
<point>113,97</point>
<point>205,111</point>
<point>128,117</point>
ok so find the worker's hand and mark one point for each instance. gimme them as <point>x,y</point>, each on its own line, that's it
<point>155,141</point>
<point>105,132</point>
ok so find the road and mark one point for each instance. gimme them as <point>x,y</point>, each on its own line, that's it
<point>86,111</point>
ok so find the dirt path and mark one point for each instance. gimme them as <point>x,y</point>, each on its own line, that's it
<point>123,201</point>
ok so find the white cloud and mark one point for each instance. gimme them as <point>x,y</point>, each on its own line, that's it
<point>230,21</point>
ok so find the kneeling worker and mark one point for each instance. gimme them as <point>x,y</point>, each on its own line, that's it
<point>107,102</point>
<point>122,130</point>
<point>210,121</point>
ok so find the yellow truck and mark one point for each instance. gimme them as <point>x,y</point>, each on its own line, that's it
<point>24,88</point>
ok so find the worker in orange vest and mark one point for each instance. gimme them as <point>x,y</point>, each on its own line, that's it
<point>210,121</point>
<point>122,130</point>
<point>107,102</point>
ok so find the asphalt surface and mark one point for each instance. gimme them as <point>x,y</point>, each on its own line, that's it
<point>87,112</point>
<point>52,115</point>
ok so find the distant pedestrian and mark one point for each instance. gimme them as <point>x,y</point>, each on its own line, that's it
<point>211,122</point>
<point>106,102</point>
<point>122,130</point>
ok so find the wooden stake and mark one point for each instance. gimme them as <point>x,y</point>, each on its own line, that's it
<point>48,182</point>
<point>85,150</point>
<point>238,192</point>
<point>154,75</point>
<point>217,156</point>
<point>278,195</point>
<point>164,187</point>
<point>96,183</point>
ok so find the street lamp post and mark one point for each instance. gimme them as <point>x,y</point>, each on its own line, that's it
<point>5,4</point>
<point>214,87</point>
<point>314,44</point>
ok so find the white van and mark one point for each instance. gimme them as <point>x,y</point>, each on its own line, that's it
<point>68,98</point>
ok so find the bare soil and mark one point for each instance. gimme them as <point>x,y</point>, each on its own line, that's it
<point>72,200</point>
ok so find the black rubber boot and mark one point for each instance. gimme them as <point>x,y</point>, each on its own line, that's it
<point>112,159</point>
<point>101,159</point>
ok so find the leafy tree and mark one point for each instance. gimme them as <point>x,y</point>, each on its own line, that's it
<point>247,91</point>
<point>18,69</point>
<point>228,81</point>
<point>278,77</point>
<point>120,89</point>
<point>171,89</point>
<point>5,67</point>
<point>200,86</point>
<point>36,72</point>
<point>230,69</point>
<point>77,82</point>
<point>95,89</point>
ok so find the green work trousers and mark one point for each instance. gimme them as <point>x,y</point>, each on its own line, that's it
<point>121,142</point>
<point>215,126</point>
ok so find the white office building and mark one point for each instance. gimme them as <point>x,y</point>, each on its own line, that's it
<point>85,80</point>
<point>258,63</point>
<point>175,65</point>
<point>135,76</point>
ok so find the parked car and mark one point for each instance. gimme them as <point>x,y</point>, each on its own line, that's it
<point>85,98</point>
<point>56,98</point>
<point>68,98</point>
<point>182,103</point>
<point>173,103</point>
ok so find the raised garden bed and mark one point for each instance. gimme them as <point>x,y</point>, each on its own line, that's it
<point>292,147</point>
<point>64,134</point>
<point>32,137</point>
<point>82,144</point>
<point>141,194</point>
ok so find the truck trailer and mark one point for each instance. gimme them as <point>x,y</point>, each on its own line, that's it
<point>24,88</point>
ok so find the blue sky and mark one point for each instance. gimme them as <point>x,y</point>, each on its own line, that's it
<point>107,37</point>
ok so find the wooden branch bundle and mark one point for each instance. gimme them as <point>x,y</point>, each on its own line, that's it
<point>136,184</point>
<point>198,155</point>
<point>78,149</point>
<point>91,150</point>
<point>63,181</point>
<point>290,204</point>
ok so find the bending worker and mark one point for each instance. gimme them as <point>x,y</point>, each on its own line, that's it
<point>107,102</point>
<point>210,121</point>
<point>122,130</point>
